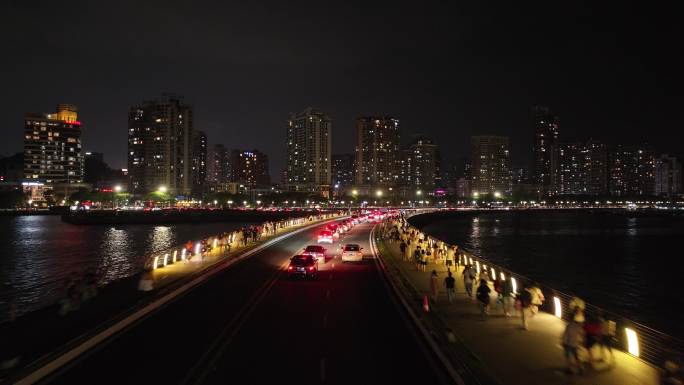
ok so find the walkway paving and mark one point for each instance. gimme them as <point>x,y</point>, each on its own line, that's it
<point>512,355</point>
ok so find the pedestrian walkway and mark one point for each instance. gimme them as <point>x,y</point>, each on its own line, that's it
<point>510,354</point>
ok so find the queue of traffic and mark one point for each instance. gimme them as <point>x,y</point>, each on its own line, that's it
<point>305,264</point>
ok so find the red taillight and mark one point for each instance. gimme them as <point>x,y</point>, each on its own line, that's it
<point>289,267</point>
<point>311,268</point>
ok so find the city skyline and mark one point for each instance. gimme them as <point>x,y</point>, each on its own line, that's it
<point>607,80</point>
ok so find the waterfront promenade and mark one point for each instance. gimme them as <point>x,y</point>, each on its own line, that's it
<point>39,337</point>
<point>497,350</point>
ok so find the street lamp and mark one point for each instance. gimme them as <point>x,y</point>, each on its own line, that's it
<point>378,193</point>
<point>497,194</point>
<point>419,193</point>
<point>162,189</point>
<point>117,189</point>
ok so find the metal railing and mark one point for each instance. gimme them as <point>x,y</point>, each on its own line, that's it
<point>636,339</point>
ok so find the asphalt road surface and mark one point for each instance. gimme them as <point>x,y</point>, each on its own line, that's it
<point>251,324</point>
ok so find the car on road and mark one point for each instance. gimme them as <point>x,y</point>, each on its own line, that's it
<point>303,266</point>
<point>334,229</point>
<point>352,252</point>
<point>317,251</point>
<point>325,236</point>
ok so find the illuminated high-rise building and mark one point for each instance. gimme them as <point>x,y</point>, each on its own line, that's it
<point>218,165</point>
<point>309,135</point>
<point>378,157</point>
<point>631,171</point>
<point>250,168</point>
<point>582,168</point>
<point>668,175</point>
<point>342,170</point>
<point>52,147</point>
<point>490,159</point>
<point>545,150</point>
<point>160,144</point>
<point>421,165</point>
<point>199,162</point>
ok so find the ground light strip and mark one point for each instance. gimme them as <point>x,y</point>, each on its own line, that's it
<point>93,341</point>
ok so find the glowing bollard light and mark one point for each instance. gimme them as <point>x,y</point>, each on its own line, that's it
<point>175,254</point>
<point>198,248</point>
<point>514,283</point>
<point>477,263</point>
<point>503,276</point>
<point>183,255</point>
<point>558,310</point>
<point>154,264</point>
<point>632,342</point>
<point>215,239</point>
<point>493,273</point>
<point>166,258</point>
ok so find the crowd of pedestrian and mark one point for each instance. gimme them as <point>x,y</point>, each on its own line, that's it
<point>591,333</point>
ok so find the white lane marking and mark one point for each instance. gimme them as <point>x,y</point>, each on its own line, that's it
<point>93,341</point>
<point>322,369</point>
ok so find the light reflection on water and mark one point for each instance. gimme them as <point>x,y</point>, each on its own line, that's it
<point>630,265</point>
<point>38,254</point>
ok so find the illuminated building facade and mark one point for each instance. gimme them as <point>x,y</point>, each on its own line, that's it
<point>52,147</point>
<point>199,162</point>
<point>378,156</point>
<point>309,135</point>
<point>545,151</point>
<point>218,165</point>
<point>631,171</point>
<point>342,170</point>
<point>668,175</point>
<point>160,134</point>
<point>421,165</point>
<point>490,159</point>
<point>250,168</point>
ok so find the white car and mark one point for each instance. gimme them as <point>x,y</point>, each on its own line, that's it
<point>352,252</point>
<point>325,237</point>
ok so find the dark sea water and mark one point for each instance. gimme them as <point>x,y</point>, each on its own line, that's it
<point>630,265</point>
<point>39,253</point>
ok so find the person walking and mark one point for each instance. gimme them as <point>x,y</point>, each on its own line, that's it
<point>449,259</point>
<point>571,341</point>
<point>537,298</point>
<point>423,260</point>
<point>507,294</point>
<point>483,298</point>
<point>468,277</point>
<point>607,337</point>
<point>402,248</point>
<point>592,336</point>
<point>434,286</point>
<point>450,284</point>
<point>525,299</point>
<point>484,275</point>
<point>576,307</point>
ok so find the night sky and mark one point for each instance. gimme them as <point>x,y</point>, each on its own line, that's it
<point>444,69</point>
